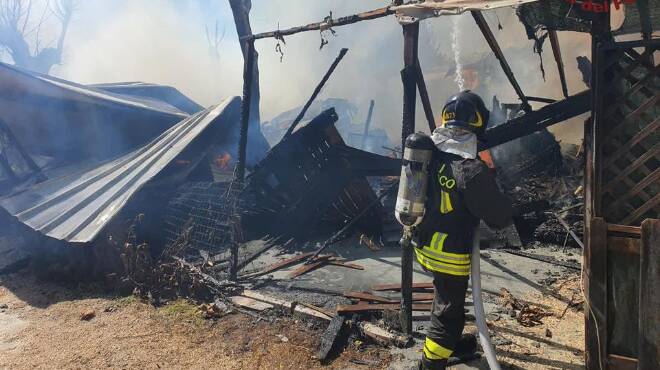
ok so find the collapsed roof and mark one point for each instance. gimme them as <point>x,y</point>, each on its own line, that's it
<point>167,94</point>
<point>77,207</point>
<point>75,122</point>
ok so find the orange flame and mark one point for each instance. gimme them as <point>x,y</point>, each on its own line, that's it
<point>223,160</point>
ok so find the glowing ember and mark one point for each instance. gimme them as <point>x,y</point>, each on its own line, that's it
<point>223,161</point>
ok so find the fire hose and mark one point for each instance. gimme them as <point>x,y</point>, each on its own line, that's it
<point>477,299</point>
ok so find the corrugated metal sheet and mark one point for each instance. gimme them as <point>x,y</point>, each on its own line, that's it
<point>77,207</point>
<point>148,91</point>
<point>68,122</point>
<point>16,80</point>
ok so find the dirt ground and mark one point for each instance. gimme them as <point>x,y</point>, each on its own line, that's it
<point>41,327</point>
<point>557,343</point>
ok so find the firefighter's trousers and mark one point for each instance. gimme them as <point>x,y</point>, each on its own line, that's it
<point>447,319</point>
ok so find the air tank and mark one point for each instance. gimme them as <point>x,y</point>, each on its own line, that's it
<point>413,183</point>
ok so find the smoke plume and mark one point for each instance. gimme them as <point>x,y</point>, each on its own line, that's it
<point>164,41</point>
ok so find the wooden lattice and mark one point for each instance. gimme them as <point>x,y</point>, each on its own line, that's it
<point>628,99</point>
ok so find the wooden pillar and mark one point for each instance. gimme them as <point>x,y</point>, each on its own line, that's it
<point>595,311</point>
<point>595,251</point>
<point>649,297</point>
<point>245,110</point>
<point>408,76</point>
<point>367,124</point>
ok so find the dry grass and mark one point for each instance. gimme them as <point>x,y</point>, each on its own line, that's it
<point>128,334</point>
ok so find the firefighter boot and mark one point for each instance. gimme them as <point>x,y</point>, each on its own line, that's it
<point>426,364</point>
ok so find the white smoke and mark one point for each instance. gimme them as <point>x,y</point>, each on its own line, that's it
<point>163,41</point>
<point>456,48</point>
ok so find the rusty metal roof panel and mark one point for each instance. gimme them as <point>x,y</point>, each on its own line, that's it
<point>76,207</point>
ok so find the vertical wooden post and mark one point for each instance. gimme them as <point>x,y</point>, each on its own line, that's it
<point>596,292</point>
<point>239,172</point>
<point>649,296</point>
<point>595,252</point>
<point>248,65</point>
<point>424,96</point>
<point>408,75</point>
<point>367,124</point>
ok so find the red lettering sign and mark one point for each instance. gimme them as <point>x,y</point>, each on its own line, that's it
<point>600,6</point>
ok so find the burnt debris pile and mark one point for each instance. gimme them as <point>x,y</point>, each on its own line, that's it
<point>163,215</point>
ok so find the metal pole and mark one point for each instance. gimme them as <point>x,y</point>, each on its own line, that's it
<point>316,92</point>
<point>248,65</point>
<point>408,76</point>
<point>367,124</point>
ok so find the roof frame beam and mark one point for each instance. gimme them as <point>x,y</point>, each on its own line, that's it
<point>495,47</point>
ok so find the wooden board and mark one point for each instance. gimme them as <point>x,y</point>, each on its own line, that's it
<point>279,265</point>
<point>596,291</point>
<point>250,303</point>
<point>306,268</point>
<point>362,296</point>
<point>305,310</point>
<point>397,287</point>
<point>347,264</point>
<point>616,362</point>
<point>380,307</point>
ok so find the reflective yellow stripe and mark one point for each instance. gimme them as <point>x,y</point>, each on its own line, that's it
<point>437,266</point>
<point>434,351</point>
<point>445,203</point>
<point>438,244</point>
<point>449,206</point>
<point>460,259</point>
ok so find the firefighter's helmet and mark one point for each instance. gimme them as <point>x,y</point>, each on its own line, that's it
<point>466,110</point>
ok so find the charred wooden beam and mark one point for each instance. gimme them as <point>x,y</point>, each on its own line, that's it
<point>495,47</point>
<point>316,92</point>
<point>332,338</point>
<point>568,229</point>
<point>424,96</point>
<point>248,66</point>
<point>327,23</point>
<point>363,163</point>
<point>397,287</point>
<point>241,11</point>
<point>367,124</point>
<point>537,120</point>
<point>556,51</point>
<point>408,75</point>
<point>540,99</point>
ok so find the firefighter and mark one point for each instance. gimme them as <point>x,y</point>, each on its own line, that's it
<point>462,191</point>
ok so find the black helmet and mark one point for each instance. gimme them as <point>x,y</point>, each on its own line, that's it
<point>466,110</point>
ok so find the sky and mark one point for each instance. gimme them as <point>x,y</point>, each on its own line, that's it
<point>164,41</point>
